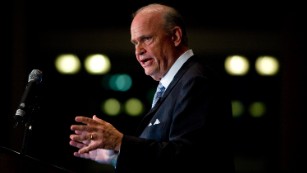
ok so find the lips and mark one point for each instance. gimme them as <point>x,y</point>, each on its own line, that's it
<point>146,62</point>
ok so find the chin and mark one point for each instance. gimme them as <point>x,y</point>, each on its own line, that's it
<point>148,72</point>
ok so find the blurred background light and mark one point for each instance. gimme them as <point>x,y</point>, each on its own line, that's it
<point>67,64</point>
<point>120,82</point>
<point>267,65</point>
<point>111,107</point>
<point>237,108</point>
<point>257,109</point>
<point>97,64</point>
<point>236,65</point>
<point>134,107</point>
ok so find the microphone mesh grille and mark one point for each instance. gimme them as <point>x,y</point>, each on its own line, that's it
<point>35,75</point>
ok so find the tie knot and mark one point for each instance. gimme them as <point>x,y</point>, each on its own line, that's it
<point>161,88</point>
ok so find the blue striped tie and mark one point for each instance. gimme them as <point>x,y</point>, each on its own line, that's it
<point>158,94</point>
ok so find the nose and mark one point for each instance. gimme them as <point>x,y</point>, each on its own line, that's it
<point>139,50</point>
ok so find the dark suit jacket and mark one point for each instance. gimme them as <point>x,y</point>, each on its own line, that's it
<point>192,132</point>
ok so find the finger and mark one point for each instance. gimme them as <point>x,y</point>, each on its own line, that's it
<point>76,144</point>
<point>98,119</point>
<point>87,149</point>
<point>85,139</point>
<point>73,137</point>
<point>80,128</point>
<point>79,132</point>
<point>84,120</point>
<point>84,155</point>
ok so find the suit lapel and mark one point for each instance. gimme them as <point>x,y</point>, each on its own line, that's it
<point>153,110</point>
<point>176,79</point>
<point>147,119</point>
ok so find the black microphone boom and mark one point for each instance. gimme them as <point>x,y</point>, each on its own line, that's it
<point>35,77</point>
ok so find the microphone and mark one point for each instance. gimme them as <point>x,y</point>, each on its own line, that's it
<point>35,77</point>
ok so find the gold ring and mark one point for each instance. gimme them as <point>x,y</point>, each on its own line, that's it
<point>92,137</point>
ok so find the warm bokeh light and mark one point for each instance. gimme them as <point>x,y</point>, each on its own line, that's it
<point>111,107</point>
<point>236,65</point>
<point>67,64</point>
<point>267,65</point>
<point>237,108</point>
<point>134,107</point>
<point>257,109</point>
<point>97,64</point>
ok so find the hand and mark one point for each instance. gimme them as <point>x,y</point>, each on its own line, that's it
<point>100,155</point>
<point>94,134</point>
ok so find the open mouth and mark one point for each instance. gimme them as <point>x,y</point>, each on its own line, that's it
<point>146,62</point>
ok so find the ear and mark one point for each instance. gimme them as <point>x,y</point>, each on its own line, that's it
<point>176,35</point>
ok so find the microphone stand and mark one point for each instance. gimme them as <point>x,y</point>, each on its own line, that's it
<point>27,121</point>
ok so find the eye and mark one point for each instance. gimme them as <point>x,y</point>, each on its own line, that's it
<point>147,40</point>
<point>133,42</point>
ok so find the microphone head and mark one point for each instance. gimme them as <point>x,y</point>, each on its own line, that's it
<point>36,76</point>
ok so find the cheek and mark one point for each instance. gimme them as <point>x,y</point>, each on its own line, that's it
<point>152,68</point>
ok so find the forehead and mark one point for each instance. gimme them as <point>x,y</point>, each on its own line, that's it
<point>145,22</point>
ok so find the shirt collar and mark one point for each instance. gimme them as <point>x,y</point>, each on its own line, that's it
<point>168,77</point>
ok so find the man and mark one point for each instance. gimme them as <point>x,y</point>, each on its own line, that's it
<point>188,129</point>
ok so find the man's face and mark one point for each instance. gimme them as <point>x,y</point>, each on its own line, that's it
<point>153,46</point>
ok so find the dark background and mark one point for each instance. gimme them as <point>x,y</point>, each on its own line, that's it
<point>33,33</point>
